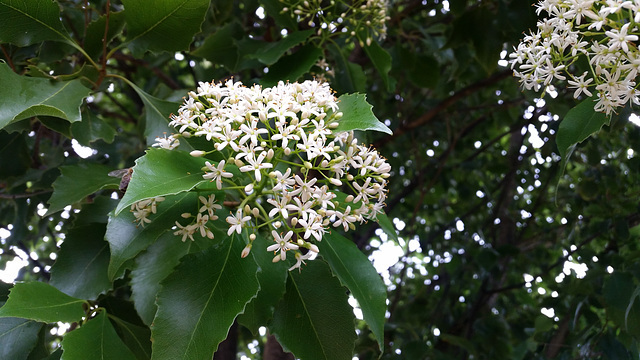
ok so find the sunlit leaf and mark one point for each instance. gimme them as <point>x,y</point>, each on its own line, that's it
<point>42,302</point>
<point>162,172</point>
<point>314,319</point>
<point>200,300</point>
<point>28,97</point>
<point>358,115</point>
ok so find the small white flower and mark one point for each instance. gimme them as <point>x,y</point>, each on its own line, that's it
<point>282,244</point>
<point>217,173</point>
<point>236,222</point>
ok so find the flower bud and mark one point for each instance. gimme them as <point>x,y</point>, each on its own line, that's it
<point>185,215</point>
<point>349,198</point>
<point>247,209</point>
<point>197,153</point>
<point>270,154</point>
<point>255,212</point>
<point>252,237</point>
<point>287,151</point>
<point>276,259</point>
<point>249,188</point>
<point>335,182</point>
<point>294,221</point>
<point>308,165</point>
<point>239,163</point>
<point>277,224</point>
<point>349,177</point>
<point>246,251</point>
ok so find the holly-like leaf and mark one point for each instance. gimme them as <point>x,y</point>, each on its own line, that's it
<point>76,182</point>
<point>156,114</point>
<point>92,128</point>
<point>200,299</point>
<point>28,97</point>
<point>580,123</point>
<point>17,337</point>
<point>81,267</point>
<point>95,339</point>
<point>356,272</point>
<point>357,115</point>
<point>42,302</point>
<point>127,239</point>
<point>292,66</point>
<point>162,172</point>
<point>156,263</point>
<point>269,55</point>
<point>314,319</point>
<point>30,22</point>
<point>273,279</point>
<point>163,25</point>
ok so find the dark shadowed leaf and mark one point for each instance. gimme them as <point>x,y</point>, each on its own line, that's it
<point>79,181</point>
<point>274,51</point>
<point>200,300</point>
<point>92,128</point>
<point>293,66</point>
<point>29,22</point>
<point>156,115</point>
<point>314,319</point>
<point>163,25</point>
<point>272,278</point>
<point>356,272</point>
<point>17,337</point>
<point>127,239</point>
<point>95,339</point>
<point>81,267</point>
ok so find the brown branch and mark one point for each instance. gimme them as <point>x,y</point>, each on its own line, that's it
<point>6,56</point>
<point>164,77</point>
<point>22,196</point>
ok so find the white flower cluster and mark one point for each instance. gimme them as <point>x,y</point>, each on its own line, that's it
<point>352,17</point>
<point>287,161</point>
<point>604,32</point>
<point>143,209</point>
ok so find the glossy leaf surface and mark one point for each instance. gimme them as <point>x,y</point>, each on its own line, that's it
<point>42,302</point>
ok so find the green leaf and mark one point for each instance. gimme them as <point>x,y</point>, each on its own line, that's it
<point>314,319</point>
<point>220,47</point>
<point>270,54</point>
<point>356,272</point>
<point>619,296</point>
<point>92,128</point>
<point>194,316</point>
<point>357,114</point>
<point>14,154</point>
<point>28,97</point>
<point>76,182</point>
<point>349,76</point>
<point>163,25</point>
<point>291,67</point>
<point>30,22</point>
<point>81,267</point>
<point>162,172</point>
<point>580,123</point>
<point>272,279</point>
<point>136,338</point>
<point>155,264</point>
<point>17,337</point>
<point>156,114</point>
<point>381,61</point>
<point>387,226</point>
<point>95,339</point>
<point>42,302</point>
<point>126,239</point>
<point>94,38</point>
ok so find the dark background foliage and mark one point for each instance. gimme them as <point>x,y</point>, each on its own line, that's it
<point>488,222</point>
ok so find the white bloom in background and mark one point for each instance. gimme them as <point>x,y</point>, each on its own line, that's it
<point>602,31</point>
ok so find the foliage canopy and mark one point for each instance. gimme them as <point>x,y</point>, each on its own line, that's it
<point>511,221</point>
